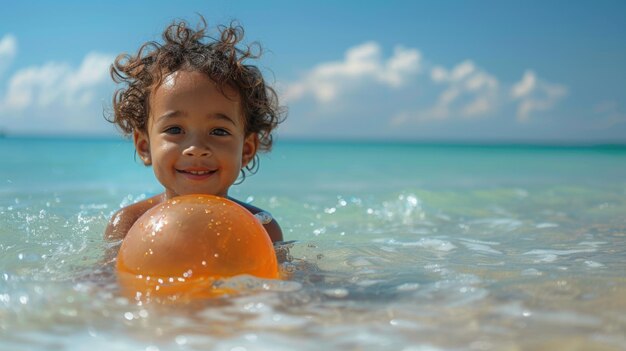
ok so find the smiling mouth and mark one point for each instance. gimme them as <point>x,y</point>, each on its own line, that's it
<point>196,173</point>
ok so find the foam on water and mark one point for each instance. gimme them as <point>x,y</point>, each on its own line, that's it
<point>372,289</point>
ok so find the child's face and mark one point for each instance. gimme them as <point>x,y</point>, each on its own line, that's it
<point>196,140</point>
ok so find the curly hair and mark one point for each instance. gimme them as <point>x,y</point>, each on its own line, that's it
<point>184,48</point>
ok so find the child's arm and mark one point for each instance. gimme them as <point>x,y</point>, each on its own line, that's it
<point>122,220</point>
<point>272,227</point>
<point>120,224</point>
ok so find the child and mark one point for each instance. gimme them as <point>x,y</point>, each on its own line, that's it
<point>197,114</point>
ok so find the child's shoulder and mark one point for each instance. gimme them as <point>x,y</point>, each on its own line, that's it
<point>122,220</point>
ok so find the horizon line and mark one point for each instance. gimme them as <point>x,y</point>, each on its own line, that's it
<point>362,140</point>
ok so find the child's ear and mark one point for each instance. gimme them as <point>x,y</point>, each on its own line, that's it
<point>250,145</point>
<point>142,145</point>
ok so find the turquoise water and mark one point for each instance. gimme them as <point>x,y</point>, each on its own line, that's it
<point>397,247</point>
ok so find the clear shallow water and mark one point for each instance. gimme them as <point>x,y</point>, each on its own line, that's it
<point>398,247</point>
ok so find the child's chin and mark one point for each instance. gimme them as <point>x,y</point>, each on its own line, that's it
<point>199,192</point>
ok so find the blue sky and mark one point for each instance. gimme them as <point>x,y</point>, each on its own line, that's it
<point>438,70</point>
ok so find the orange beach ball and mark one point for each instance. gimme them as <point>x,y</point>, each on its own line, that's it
<point>180,247</point>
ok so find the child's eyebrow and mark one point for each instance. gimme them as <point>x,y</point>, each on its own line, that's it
<point>170,114</point>
<point>178,113</point>
<point>225,118</point>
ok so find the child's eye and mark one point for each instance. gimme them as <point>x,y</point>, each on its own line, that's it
<point>220,132</point>
<point>173,130</point>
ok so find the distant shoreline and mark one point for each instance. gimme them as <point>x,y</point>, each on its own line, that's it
<point>602,144</point>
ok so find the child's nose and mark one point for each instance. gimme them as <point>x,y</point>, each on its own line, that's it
<point>197,151</point>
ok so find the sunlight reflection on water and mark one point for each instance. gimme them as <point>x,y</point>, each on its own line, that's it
<point>377,273</point>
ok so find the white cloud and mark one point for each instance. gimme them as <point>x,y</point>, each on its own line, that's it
<point>55,84</point>
<point>535,94</point>
<point>362,62</point>
<point>8,50</point>
<point>464,91</point>
<point>525,86</point>
<point>608,115</point>
<point>471,92</point>
<point>55,96</point>
<point>474,93</point>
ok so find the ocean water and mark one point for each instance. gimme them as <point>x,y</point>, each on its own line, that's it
<point>395,247</point>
